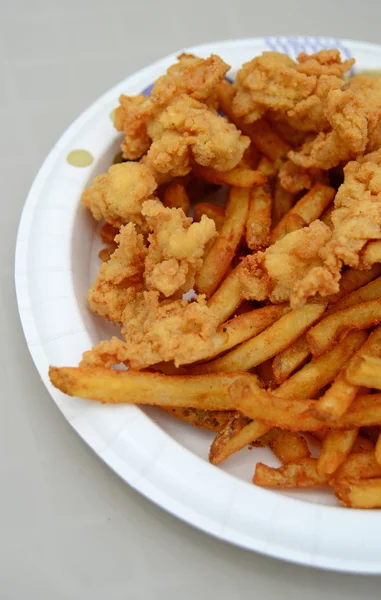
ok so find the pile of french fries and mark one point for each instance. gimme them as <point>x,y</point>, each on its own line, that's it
<point>276,376</point>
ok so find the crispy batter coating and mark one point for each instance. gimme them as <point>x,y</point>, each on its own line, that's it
<point>187,131</point>
<point>176,248</point>
<point>294,91</point>
<point>162,331</point>
<point>106,354</point>
<point>117,196</point>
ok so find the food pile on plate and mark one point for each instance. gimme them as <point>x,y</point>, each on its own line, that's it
<point>257,317</point>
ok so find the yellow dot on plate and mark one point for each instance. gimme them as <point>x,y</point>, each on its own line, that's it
<point>112,115</point>
<point>80,158</point>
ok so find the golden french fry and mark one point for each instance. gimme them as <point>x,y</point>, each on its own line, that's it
<point>320,371</point>
<point>364,493</point>
<point>222,252</point>
<point>369,291</point>
<point>326,217</point>
<point>227,297</point>
<point>268,343</point>
<point>288,446</point>
<point>352,280</point>
<point>258,222</point>
<point>309,208</point>
<point>108,233</point>
<point>359,465</point>
<point>238,177</point>
<point>245,326</point>
<point>301,473</point>
<point>217,213</point>
<point>268,167</point>
<point>364,368</point>
<point>236,435</point>
<point>292,357</point>
<point>337,399</point>
<point>335,448</point>
<point>332,328</point>
<point>136,387</point>
<point>377,450</point>
<point>175,196</point>
<point>282,204</point>
<point>213,420</point>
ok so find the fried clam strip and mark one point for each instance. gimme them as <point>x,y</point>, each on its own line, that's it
<point>304,384</point>
<point>335,448</point>
<point>332,328</point>
<point>265,345</point>
<point>213,420</point>
<point>262,136</point>
<point>298,352</point>
<point>301,473</point>
<point>222,252</point>
<point>258,222</point>
<point>308,209</point>
<point>336,401</point>
<point>136,387</point>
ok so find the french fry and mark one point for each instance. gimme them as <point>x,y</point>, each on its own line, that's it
<point>337,399</point>
<point>332,328</point>
<point>250,158</point>
<point>238,177</point>
<point>288,446</point>
<point>365,493</point>
<point>335,448</point>
<point>236,435</point>
<point>108,233</point>
<point>175,196</point>
<point>308,208</point>
<point>222,252</point>
<point>213,420</point>
<point>265,373</point>
<point>227,297</point>
<point>359,465</point>
<point>258,222</point>
<point>268,167</point>
<point>292,357</point>
<point>377,449</point>
<point>136,387</point>
<point>268,343</point>
<point>369,291</point>
<point>245,326</point>
<point>217,213</point>
<point>282,204</point>
<point>298,474</point>
<point>320,371</point>
<point>352,280</point>
<point>364,368</point>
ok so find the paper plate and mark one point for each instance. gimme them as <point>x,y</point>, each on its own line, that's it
<point>166,460</point>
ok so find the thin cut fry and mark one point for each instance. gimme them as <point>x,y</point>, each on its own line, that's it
<point>227,297</point>
<point>369,291</point>
<point>288,446</point>
<point>308,208</point>
<point>359,494</point>
<point>332,328</point>
<point>337,399</point>
<point>359,465</point>
<point>175,196</point>
<point>282,204</point>
<point>292,357</point>
<point>352,280</point>
<point>258,222</point>
<point>236,435</point>
<point>237,177</point>
<point>364,368</point>
<point>298,474</point>
<point>377,450</point>
<point>335,448</point>
<point>268,343</point>
<point>136,387</point>
<point>213,420</point>
<point>217,213</point>
<point>222,252</point>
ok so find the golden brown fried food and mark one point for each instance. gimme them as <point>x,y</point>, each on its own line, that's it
<point>187,131</point>
<point>117,196</point>
<point>176,248</point>
<point>162,331</point>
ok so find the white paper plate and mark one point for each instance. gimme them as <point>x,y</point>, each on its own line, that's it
<point>164,459</point>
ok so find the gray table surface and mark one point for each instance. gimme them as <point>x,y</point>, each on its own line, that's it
<point>70,528</point>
